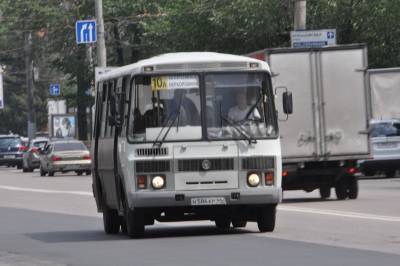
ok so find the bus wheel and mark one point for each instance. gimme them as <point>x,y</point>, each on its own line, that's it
<point>223,223</point>
<point>353,187</point>
<point>111,220</point>
<point>134,222</point>
<point>266,218</point>
<point>325,192</point>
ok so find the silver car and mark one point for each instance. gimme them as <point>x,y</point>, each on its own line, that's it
<point>65,156</point>
<point>385,146</point>
<point>31,158</point>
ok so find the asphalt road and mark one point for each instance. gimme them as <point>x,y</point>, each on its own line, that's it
<point>53,221</point>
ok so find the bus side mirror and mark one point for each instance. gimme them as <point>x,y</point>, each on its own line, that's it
<point>287,101</point>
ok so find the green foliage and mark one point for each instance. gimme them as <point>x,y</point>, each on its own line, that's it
<point>142,28</point>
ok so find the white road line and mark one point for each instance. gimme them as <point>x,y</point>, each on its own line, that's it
<point>346,214</point>
<point>80,193</point>
<point>357,215</point>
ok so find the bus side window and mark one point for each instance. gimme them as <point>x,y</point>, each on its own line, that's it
<point>110,106</point>
<point>103,118</point>
<point>124,104</point>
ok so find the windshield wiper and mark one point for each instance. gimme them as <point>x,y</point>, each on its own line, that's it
<point>239,129</point>
<point>177,115</point>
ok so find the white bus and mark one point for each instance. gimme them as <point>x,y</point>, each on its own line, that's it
<point>187,136</point>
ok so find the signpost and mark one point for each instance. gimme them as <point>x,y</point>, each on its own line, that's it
<point>85,31</point>
<point>313,38</point>
<point>54,90</point>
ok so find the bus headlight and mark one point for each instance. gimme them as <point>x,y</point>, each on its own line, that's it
<point>253,180</point>
<point>158,182</point>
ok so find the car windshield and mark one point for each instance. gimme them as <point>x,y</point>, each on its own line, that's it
<point>9,142</point>
<point>165,108</point>
<point>69,146</point>
<point>238,106</point>
<point>385,129</point>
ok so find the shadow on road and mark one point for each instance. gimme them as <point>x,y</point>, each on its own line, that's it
<point>151,233</point>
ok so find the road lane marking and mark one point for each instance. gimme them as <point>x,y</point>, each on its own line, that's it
<point>46,191</point>
<point>346,214</point>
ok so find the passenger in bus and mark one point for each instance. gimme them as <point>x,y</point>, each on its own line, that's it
<point>242,110</point>
<point>188,113</point>
<point>154,115</point>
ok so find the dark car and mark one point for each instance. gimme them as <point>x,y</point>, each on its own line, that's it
<point>31,158</point>
<point>11,150</point>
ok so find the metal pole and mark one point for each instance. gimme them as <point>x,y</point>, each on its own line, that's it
<point>300,13</point>
<point>29,85</point>
<point>101,44</point>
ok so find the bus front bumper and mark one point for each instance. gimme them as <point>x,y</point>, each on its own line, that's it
<point>254,196</point>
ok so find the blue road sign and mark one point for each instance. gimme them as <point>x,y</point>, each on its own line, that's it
<point>330,35</point>
<point>85,31</point>
<point>54,89</point>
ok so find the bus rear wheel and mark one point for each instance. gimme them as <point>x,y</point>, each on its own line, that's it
<point>111,221</point>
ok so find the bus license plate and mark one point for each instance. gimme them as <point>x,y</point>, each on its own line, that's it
<point>208,201</point>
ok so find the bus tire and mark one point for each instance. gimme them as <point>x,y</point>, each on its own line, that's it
<point>353,187</point>
<point>341,189</point>
<point>266,218</point>
<point>325,192</point>
<point>111,220</point>
<point>134,222</point>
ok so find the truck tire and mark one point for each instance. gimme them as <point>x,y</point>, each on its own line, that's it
<point>325,192</point>
<point>266,218</point>
<point>223,223</point>
<point>134,222</point>
<point>352,191</point>
<point>111,220</point>
<point>390,173</point>
<point>341,189</point>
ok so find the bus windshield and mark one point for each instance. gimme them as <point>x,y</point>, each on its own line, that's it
<point>165,108</point>
<point>239,107</point>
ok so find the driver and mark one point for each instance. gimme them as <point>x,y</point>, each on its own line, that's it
<point>239,112</point>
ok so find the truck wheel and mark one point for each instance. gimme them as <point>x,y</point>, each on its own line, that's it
<point>266,218</point>
<point>223,223</point>
<point>325,192</point>
<point>111,220</point>
<point>341,189</point>
<point>238,224</point>
<point>353,187</point>
<point>134,222</point>
<point>390,173</point>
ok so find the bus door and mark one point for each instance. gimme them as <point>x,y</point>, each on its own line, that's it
<point>106,146</point>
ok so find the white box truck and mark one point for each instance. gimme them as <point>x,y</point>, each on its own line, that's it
<point>328,131</point>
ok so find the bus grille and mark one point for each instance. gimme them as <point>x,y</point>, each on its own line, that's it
<point>145,152</point>
<point>152,166</point>
<point>258,163</point>
<point>195,165</point>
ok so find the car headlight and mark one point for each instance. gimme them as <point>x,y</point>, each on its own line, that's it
<point>158,182</point>
<point>253,180</point>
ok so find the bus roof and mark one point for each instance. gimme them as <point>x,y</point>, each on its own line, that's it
<point>186,62</point>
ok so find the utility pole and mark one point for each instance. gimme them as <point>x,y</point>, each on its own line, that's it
<point>29,85</point>
<point>101,44</point>
<point>300,12</point>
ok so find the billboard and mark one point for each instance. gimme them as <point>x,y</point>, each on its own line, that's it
<point>63,126</point>
<point>313,38</point>
<point>1,91</point>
